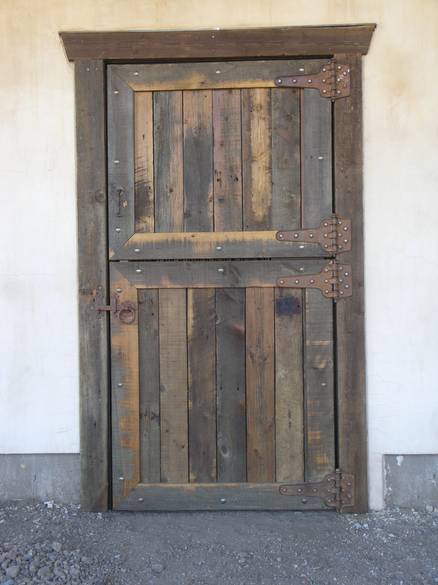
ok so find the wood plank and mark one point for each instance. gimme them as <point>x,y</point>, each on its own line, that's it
<point>235,244</point>
<point>198,161</point>
<point>286,159</point>
<point>230,376</point>
<point>228,274</point>
<point>144,162</point>
<point>125,398</point>
<point>256,159</point>
<point>283,42</point>
<point>149,373</point>
<point>92,275</point>
<point>216,496</point>
<point>201,341</point>
<point>231,75</point>
<point>227,160</point>
<point>350,314</point>
<point>318,323</point>
<point>173,386</point>
<point>289,403</point>
<point>260,385</point>
<point>121,204</point>
<point>168,157</point>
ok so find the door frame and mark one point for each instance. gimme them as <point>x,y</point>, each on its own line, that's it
<point>91,52</point>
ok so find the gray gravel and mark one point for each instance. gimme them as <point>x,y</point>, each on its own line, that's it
<point>51,544</point>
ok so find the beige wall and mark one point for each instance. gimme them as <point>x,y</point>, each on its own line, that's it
<point>39,372</point>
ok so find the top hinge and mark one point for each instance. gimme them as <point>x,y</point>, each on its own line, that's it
<point>333,81</point>
<point>335,489</point>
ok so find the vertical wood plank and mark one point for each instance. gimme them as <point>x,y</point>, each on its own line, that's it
<point>149,386</point>
<point>230,376</point>
<point>256,159</point>
<point>289,411</point>
<point>198,161</point>
<point>173,385</point>
<point>92,276</point>
<point>168,157</point>
<point>350,313</point>
<point>260,381</point>
<point>125,403</point>
<point>227,160</point>
<point>121,212</point>
<point>318,328</point>
<point>286,159</point>
<point>144,162</point>
<point>201,343</point>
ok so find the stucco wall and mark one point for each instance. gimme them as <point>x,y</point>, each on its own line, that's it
<point>38,332</point>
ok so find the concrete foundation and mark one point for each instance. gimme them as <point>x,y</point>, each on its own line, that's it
<point>411,481</point>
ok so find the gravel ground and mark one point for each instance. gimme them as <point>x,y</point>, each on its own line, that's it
<point>48,543</point>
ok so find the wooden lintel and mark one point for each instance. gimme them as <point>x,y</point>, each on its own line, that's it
<point>251,43</point>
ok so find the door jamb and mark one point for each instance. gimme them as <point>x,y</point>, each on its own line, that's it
<point>91,51</point>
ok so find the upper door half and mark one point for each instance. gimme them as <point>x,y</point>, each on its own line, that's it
<point>211,160</point>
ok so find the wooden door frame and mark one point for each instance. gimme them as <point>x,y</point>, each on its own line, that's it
<point>91,52</point>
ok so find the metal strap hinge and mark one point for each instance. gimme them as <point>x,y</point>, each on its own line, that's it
<point>124,311</point>
<point>334,280</point>
<point>333,81</point>
<point>333,235</point>
<point>336,490</point>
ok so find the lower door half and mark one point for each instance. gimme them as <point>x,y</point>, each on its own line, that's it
<point>222,385</point>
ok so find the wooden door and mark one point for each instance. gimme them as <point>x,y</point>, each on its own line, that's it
<point>222,380</point>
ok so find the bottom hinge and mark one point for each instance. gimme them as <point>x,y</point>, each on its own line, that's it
<point>336,490</point>
<point>334,280</point>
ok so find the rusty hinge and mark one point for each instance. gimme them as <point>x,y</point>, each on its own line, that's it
<point>333,235</point>
<point>336,489</point>
<point>334,280</point>
<point>124,311</point>
<point>333,81</point>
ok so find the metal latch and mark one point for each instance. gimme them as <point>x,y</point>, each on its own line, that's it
<point>333,235</point>
<point>124,311</point>
<point>333,81</point>
<point>336,490</point>
<point>334,280</point>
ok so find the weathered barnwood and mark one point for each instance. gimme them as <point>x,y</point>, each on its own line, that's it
<point>198,245</point>
<point>144,162</point>
<point>350,355</point>
<point>227,180</point>
<point>256,159</point>
<point>173,385</point>
<point>289,41</point>
<point>260,385</point>
<point>92,276</point>
<point>230,385</point>
<point>168,157</point>
<point>232,75</point>
<point>149,372</point>
<point>289,415</point>
<point>318,318</point>
<point>201,350</point>
<point>198,161</point>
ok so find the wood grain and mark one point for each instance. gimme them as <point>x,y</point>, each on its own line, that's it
<point>149,350</point>
<point>282,42</point>
<point>256,159</point>
<point>201,350</point>
<point>198,161</point>
<point>289,403</point>
<point>230,376</point>
<point>92,277</point>
<point>168,156</point>
<point>144,162</point>
<point>227,184</point>
<point>260,384</point>
<point>173,386</point>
